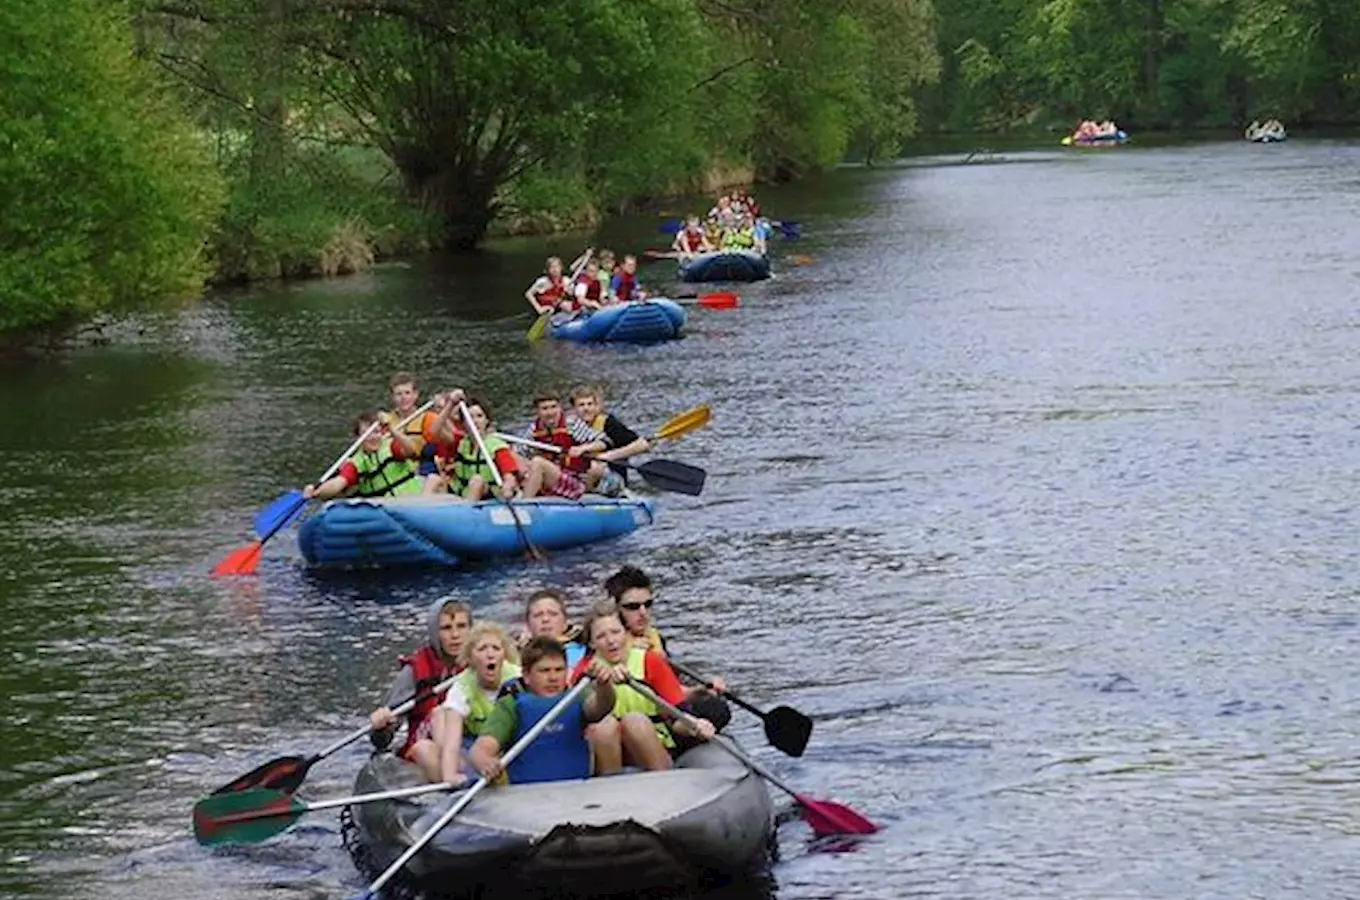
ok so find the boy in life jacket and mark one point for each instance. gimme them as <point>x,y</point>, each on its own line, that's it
<point>383,466</point>
<point>550,292</point>
<point>562,474</point>
<point>405,393</point>
<point>691,240</point>
<point>621,441</point>
<point>588,288</point>
<point>472,476</point>
<point>624,286</point>
<point>448,623</point>
<point>631,590</point>
<point>562,751</point>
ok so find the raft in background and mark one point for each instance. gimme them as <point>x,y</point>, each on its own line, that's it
<point>445,531</point>
<point>647,321</point>
<point>731,265</point>
<point>710,815</point>
<point>1102,140</point>
<point>1266,136</point>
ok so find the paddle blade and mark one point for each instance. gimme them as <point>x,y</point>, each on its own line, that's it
<point>676,477</point>
<point>540,327</point>
<point>285,773</point>
<point>279,513</point>
<point>245,818</point>
<point>828,818</point>
<point>241,561</point>
<point>790,230</point>
<point>801,259</point>
<point>720,300</point>
<point>788,730</point>
<point>671,226</point>
<point>688,421</point>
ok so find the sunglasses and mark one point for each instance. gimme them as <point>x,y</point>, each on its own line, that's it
<point>634,607</point>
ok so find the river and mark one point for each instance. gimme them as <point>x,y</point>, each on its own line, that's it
<point>1035,485</point>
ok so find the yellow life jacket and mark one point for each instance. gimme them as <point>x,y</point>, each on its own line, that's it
<point>479,705</point>
<point>629,700</point>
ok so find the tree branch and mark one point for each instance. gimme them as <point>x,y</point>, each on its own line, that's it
<point>720,73</point>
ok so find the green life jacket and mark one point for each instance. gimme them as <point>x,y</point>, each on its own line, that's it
<point>629,700</point>
<point>469,463</point>
<point>383,475</point>
<point>479,705</point>
<point>741,239</point>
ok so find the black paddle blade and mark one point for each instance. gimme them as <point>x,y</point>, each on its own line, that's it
<point>676,477</point>
<point>788,730</point>
<point>286,774</point>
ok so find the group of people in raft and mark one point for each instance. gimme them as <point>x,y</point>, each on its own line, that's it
<point>594,281</point>
<point>435,452</point>
<point>1087,130</point>
<point>503,685</point>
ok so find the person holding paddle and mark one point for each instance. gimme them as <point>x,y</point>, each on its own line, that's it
<point>383,466</point>
<point>690,241</point>
<point>562,752</point>
<point>644,737</point>
<point>405,393</point>
<point>472,476</point>
<point>576,439</point>
<point>449,622</point>
<point>551,291</point>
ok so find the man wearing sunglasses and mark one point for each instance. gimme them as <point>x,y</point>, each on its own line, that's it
<point>631,589</point>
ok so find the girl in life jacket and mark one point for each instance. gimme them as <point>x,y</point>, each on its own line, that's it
<point>588,291</point>
<point>645,736</point>
<point>691,240</point>
<point>551,291</point>
<point>448,622</point>
<point>624,286</point>
<point>490,660</point>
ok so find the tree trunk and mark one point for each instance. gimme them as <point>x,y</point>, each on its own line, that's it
<point>462,198</point>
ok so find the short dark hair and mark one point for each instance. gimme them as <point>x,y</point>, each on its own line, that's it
<point>472,400</point>
<point>403,378</point>
<point>540,648</point>
<point>543,394</point>
<point>363,420</point>
<point>626,579</point>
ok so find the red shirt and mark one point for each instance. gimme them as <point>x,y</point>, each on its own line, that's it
<point>350,472</point>
<point>657,672</point>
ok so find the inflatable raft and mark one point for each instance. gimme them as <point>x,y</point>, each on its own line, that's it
<point>644,322</point>
<point>623,833</point>
<point>1264,136</point>
<point>445,531</point>
<point>1100,140</point>
<point>738,265</point>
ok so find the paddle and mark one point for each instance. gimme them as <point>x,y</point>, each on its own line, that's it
<point>825,816</point>
<point>789,230</point>
<point>286,773</point>
<point>540,326</point>
<point>684,423</point>
<point>256,815</point>
<point>519,747</point>
<point>533,551</point>
<point>662,474</point>
<point>245,560</point>
<point>713,300</point>
<point>786,728</point>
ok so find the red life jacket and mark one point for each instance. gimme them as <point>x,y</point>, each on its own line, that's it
<point>693,241</point>
<point>627,284</point>
<point>429,669</point>
<point>592,287</point>
<point>560,436</point>
<point>554,292</point>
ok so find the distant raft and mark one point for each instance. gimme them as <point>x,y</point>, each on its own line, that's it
<point>731,265</point>
<point>1266,135</point>
<point>1096,140</point>
<point>447,531</point>
<point>647,321</point>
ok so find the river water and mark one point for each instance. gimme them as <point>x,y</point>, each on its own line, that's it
<point>1035,486</point>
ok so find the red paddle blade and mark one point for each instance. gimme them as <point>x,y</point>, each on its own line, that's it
<point>720,300</point>
<point>241,561</point>
<point>828,818</point>
<point>283,774</point>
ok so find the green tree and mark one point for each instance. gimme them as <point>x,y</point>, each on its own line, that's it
<point>106,194</point>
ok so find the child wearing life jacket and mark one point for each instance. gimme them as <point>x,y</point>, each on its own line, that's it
<point>645,736</point>
<point>448,623</point>
<point>489,660</point>
<point>443,435</point>
<point>621,441</point>
<point>559,753</point>
<point>545,615</point>
<point>563,474</point>
<point>691,240</point>
<point>624,286</point>
<point>383,466</point>
<point>588,289</point>
<point>550,291</point>
<point>405,392</point>
<point>472,476</point>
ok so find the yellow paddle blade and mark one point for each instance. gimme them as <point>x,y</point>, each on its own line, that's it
<point>540,327</point>
<point>690,420</point>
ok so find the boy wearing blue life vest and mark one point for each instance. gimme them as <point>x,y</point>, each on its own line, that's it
<point>561,752</point>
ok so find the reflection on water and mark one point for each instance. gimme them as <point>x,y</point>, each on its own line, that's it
<point>1035,487</point>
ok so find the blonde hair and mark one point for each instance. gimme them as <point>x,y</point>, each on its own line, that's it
<point>604,609</point>
<point>481,630</point>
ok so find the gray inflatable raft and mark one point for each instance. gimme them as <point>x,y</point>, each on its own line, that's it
<point>708,816</point>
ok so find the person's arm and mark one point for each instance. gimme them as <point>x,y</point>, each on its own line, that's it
<point>599,701</point>
<point>497,731</point>
<point>540,284</point>
<point>383,721</point>
<point>659,674</point>
<point>485,756</point>
<point>580,261</point>
<point>623,441</point>
<point>346,478</point>
<point>402,445</point>
<point>508,466</point>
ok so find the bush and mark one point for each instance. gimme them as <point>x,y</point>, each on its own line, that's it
<point>106,194</point>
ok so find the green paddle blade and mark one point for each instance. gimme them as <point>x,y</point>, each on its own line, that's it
<point>540,327</point>
<point>245,817</point>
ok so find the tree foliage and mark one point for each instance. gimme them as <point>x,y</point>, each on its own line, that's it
<point>105,194</point>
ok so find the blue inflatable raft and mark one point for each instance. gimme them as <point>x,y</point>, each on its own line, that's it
<point>642,322</point>
<point>444,531</point>
<point>738,265</point>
